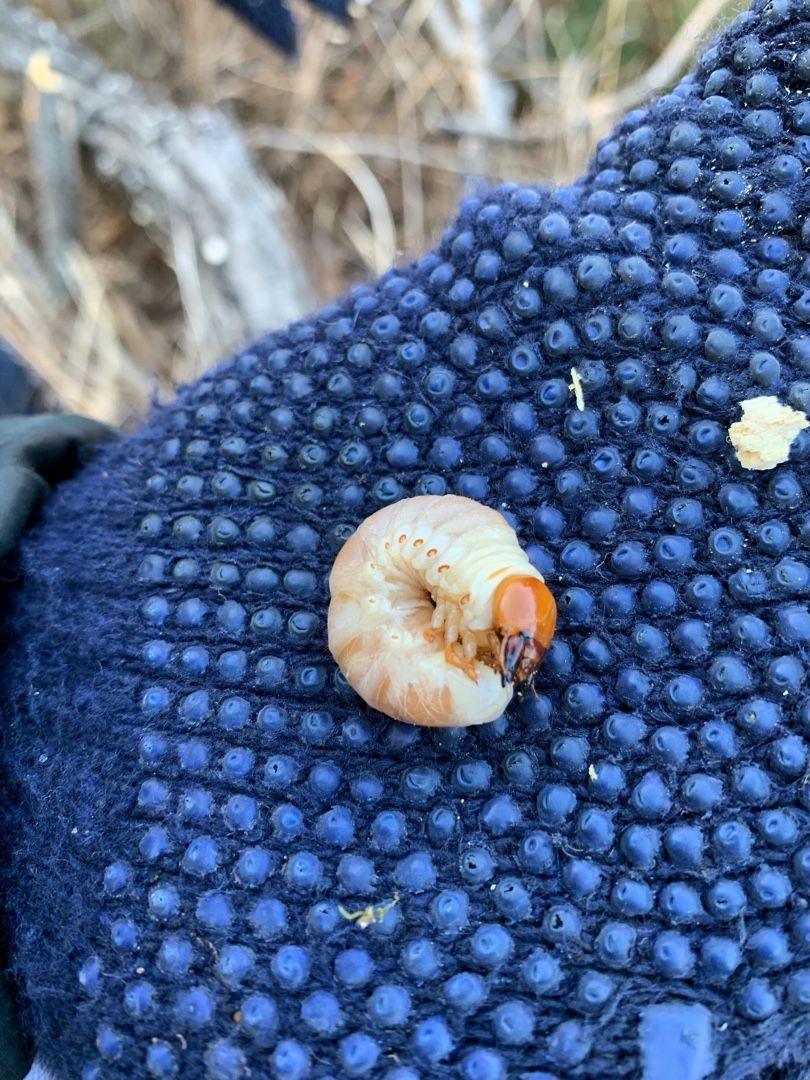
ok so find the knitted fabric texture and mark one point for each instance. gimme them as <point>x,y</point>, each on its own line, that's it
<point>221,864</point>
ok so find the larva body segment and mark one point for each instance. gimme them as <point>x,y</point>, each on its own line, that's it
<point>411,621</point>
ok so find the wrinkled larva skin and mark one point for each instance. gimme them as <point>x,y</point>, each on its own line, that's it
<point>219,863</point>
<point>416,576</point>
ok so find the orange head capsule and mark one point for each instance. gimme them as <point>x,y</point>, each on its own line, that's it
<point>524,617</point>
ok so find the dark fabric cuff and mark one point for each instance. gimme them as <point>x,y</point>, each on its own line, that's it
<point>37,452</point>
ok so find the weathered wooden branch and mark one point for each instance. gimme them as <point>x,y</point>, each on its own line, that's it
<point>50,125</point>
<point>192,183</point>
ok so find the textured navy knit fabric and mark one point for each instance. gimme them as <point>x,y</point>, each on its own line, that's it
<point>221,864</point>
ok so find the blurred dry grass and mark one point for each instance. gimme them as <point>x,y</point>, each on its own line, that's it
<point>372,136</point>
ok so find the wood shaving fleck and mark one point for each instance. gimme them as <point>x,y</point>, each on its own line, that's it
<point>763,436</point>
<point>369,915</point>
<point>576,386</point>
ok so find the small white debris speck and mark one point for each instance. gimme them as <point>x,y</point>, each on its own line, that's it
<point>763,437</point>
<point>214,249</point>
<point>592,773</point>
<point>576,386</point>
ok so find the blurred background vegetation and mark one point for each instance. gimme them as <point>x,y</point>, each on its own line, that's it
<point>155,219</point>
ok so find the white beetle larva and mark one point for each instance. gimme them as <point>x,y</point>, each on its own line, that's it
<point>436,612</point>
